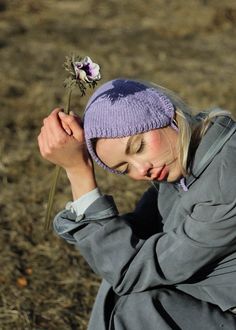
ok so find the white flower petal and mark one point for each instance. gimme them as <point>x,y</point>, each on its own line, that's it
<point>87,60</point>
<point>94,71</point>
<point>98,76</point>
<point>82,75</point>
<point>95,66</point>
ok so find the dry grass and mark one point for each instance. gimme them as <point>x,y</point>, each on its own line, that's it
<point>186,46</point>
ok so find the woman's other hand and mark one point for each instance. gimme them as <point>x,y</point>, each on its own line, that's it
<point>61,141</point>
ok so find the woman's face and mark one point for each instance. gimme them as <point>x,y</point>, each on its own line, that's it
<point>152,155</point>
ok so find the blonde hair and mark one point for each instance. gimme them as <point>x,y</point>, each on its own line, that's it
<point>190,131</point>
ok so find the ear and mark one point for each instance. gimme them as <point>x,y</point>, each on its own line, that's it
<point>175,120</point>
<point>174,123</point>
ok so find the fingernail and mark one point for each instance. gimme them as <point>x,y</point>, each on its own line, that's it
<point>61,114</point>
<point>68,131</point>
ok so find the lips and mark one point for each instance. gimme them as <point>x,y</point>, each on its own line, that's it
<point>161,174</point>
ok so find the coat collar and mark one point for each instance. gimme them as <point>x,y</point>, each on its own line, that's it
<point>222,127</point>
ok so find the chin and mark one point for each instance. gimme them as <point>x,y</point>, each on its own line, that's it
<point>174,176</point>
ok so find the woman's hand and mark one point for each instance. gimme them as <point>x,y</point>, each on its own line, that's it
<point>61,141</point>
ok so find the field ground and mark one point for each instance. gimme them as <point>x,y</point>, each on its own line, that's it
<point>187,46</point>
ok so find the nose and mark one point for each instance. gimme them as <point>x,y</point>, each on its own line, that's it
<point>143,169</point>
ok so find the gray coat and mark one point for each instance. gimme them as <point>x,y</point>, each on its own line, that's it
<point>174,257</point>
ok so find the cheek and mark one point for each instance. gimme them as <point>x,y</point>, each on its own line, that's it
<point>163,144</point>
<point>156,140</point>
<point>156,148</point>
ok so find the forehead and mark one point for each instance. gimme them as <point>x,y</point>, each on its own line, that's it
<point>117,143</point>
<point>108,145</point>
<point>111,151</point>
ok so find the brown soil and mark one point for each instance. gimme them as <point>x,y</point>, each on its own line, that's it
<point>187,46</point>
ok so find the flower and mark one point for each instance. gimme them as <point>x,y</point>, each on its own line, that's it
<point>86,70</point>
<point>82,72</point>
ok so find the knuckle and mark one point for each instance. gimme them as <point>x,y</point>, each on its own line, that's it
<point>51,147</point>
<point>70,120</point>
<point>61,139</point>
<point>45,120</point>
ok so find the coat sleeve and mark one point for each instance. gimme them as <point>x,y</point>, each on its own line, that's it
<point>131,263</point>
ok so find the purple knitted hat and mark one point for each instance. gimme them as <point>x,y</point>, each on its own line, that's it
<point>124,107</point>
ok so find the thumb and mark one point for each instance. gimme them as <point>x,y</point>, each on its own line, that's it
<point>65,126</point>
<point>74,123</point>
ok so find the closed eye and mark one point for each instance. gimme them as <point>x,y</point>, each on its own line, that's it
<point>141,147</point>
<point>125,171</point>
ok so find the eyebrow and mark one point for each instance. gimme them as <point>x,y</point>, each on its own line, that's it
<point>127,150</point>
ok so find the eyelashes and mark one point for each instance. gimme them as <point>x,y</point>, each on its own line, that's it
<point>126,171</point>
<point>139,149</point>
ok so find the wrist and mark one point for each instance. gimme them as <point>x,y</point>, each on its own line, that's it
<point>78,171</point>
<point>82,181</point>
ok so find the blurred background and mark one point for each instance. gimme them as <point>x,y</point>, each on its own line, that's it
<point>187,46</point>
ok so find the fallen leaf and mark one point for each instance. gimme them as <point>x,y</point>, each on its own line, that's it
<point>22,282</point>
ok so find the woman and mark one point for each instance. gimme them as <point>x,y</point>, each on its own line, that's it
<point>171,264</point>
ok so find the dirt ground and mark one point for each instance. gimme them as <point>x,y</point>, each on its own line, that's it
<point>187,46</point>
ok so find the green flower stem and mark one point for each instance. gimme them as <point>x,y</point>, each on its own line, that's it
<point>56,174</point>
<point>67,111</point>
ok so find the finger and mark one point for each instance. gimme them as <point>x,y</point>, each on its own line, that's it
<point>55,113</point>
<point>56,110</point>
<point>51,138</point>
<point>43,143</point>
<point>73,122</point>
<point>55,131</point>
<point>66,128</point>
<point>53,120</point>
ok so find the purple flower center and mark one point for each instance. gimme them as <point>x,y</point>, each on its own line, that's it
<point>86,68</point>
